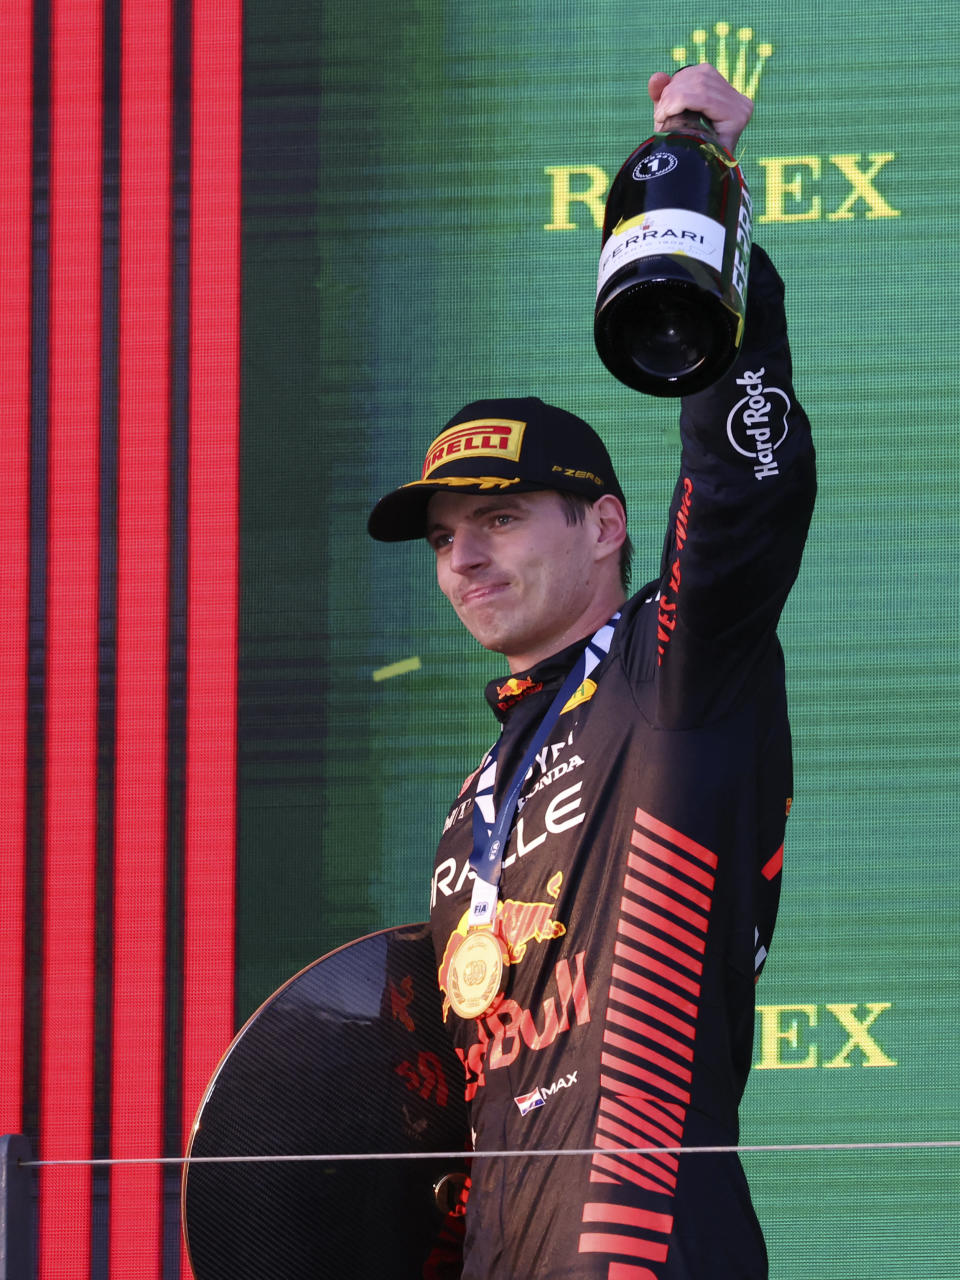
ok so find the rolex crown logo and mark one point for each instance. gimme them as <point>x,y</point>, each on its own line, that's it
<point>733,56</point>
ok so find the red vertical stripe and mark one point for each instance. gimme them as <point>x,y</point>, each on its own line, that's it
<point>140,843</point>
<point>15,130</point>
<point>213,534</point>
<point>71,678</point>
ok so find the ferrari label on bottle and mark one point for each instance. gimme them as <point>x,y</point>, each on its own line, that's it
<point>674,261</point>
<point>660,231</point>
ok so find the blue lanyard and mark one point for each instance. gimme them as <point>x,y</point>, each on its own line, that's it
<point>491,830</point>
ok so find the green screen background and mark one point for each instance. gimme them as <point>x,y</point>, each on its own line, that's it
<point>396,266</point>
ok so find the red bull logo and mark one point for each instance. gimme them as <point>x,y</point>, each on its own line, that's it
<point>507,1030</point>
<point>517,925</point>
<point>515,689</point>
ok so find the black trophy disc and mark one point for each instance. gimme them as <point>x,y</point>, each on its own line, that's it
<point>348,1057</point>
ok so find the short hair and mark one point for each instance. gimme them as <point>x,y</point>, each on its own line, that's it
<point>575,507</point>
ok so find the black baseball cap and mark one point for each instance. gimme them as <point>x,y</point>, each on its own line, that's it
<point>507,446</point>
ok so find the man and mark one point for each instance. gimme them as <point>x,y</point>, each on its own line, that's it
<point>597,951</point>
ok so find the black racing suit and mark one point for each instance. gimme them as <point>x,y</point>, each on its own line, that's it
<point>640,885</point>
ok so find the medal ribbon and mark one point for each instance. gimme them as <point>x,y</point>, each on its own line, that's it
<point>491,828</point>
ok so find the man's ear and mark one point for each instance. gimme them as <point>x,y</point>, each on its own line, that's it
<point>611,525</point>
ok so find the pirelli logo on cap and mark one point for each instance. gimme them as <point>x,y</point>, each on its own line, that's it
<point>482,438</point>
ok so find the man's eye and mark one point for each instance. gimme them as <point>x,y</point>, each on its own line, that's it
<point>440,540</point>
<point>503,518</point>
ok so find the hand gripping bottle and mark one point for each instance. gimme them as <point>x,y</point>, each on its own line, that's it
<point>672,284</point>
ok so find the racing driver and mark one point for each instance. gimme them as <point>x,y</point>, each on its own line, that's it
<point>606,885</point>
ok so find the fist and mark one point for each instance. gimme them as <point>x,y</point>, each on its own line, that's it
<point>703,89</point>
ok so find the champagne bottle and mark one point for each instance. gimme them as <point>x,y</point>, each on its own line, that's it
<point>672,283</point>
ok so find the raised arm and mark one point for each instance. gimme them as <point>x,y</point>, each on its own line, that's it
<point>744,497</point>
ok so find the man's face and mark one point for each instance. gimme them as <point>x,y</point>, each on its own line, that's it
<point>522,580</point>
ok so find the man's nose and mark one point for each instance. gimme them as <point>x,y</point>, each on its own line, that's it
<point>468,551</point>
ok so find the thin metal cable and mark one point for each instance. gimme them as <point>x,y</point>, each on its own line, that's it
<point>773,1149</point>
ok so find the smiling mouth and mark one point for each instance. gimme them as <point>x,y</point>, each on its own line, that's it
<point>477,595</point>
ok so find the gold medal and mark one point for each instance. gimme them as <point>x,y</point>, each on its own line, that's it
<point>476,974</point>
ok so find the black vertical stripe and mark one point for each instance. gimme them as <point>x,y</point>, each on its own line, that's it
<point>107,647</point>
<point>36,703</point>
<point>177,673</point>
